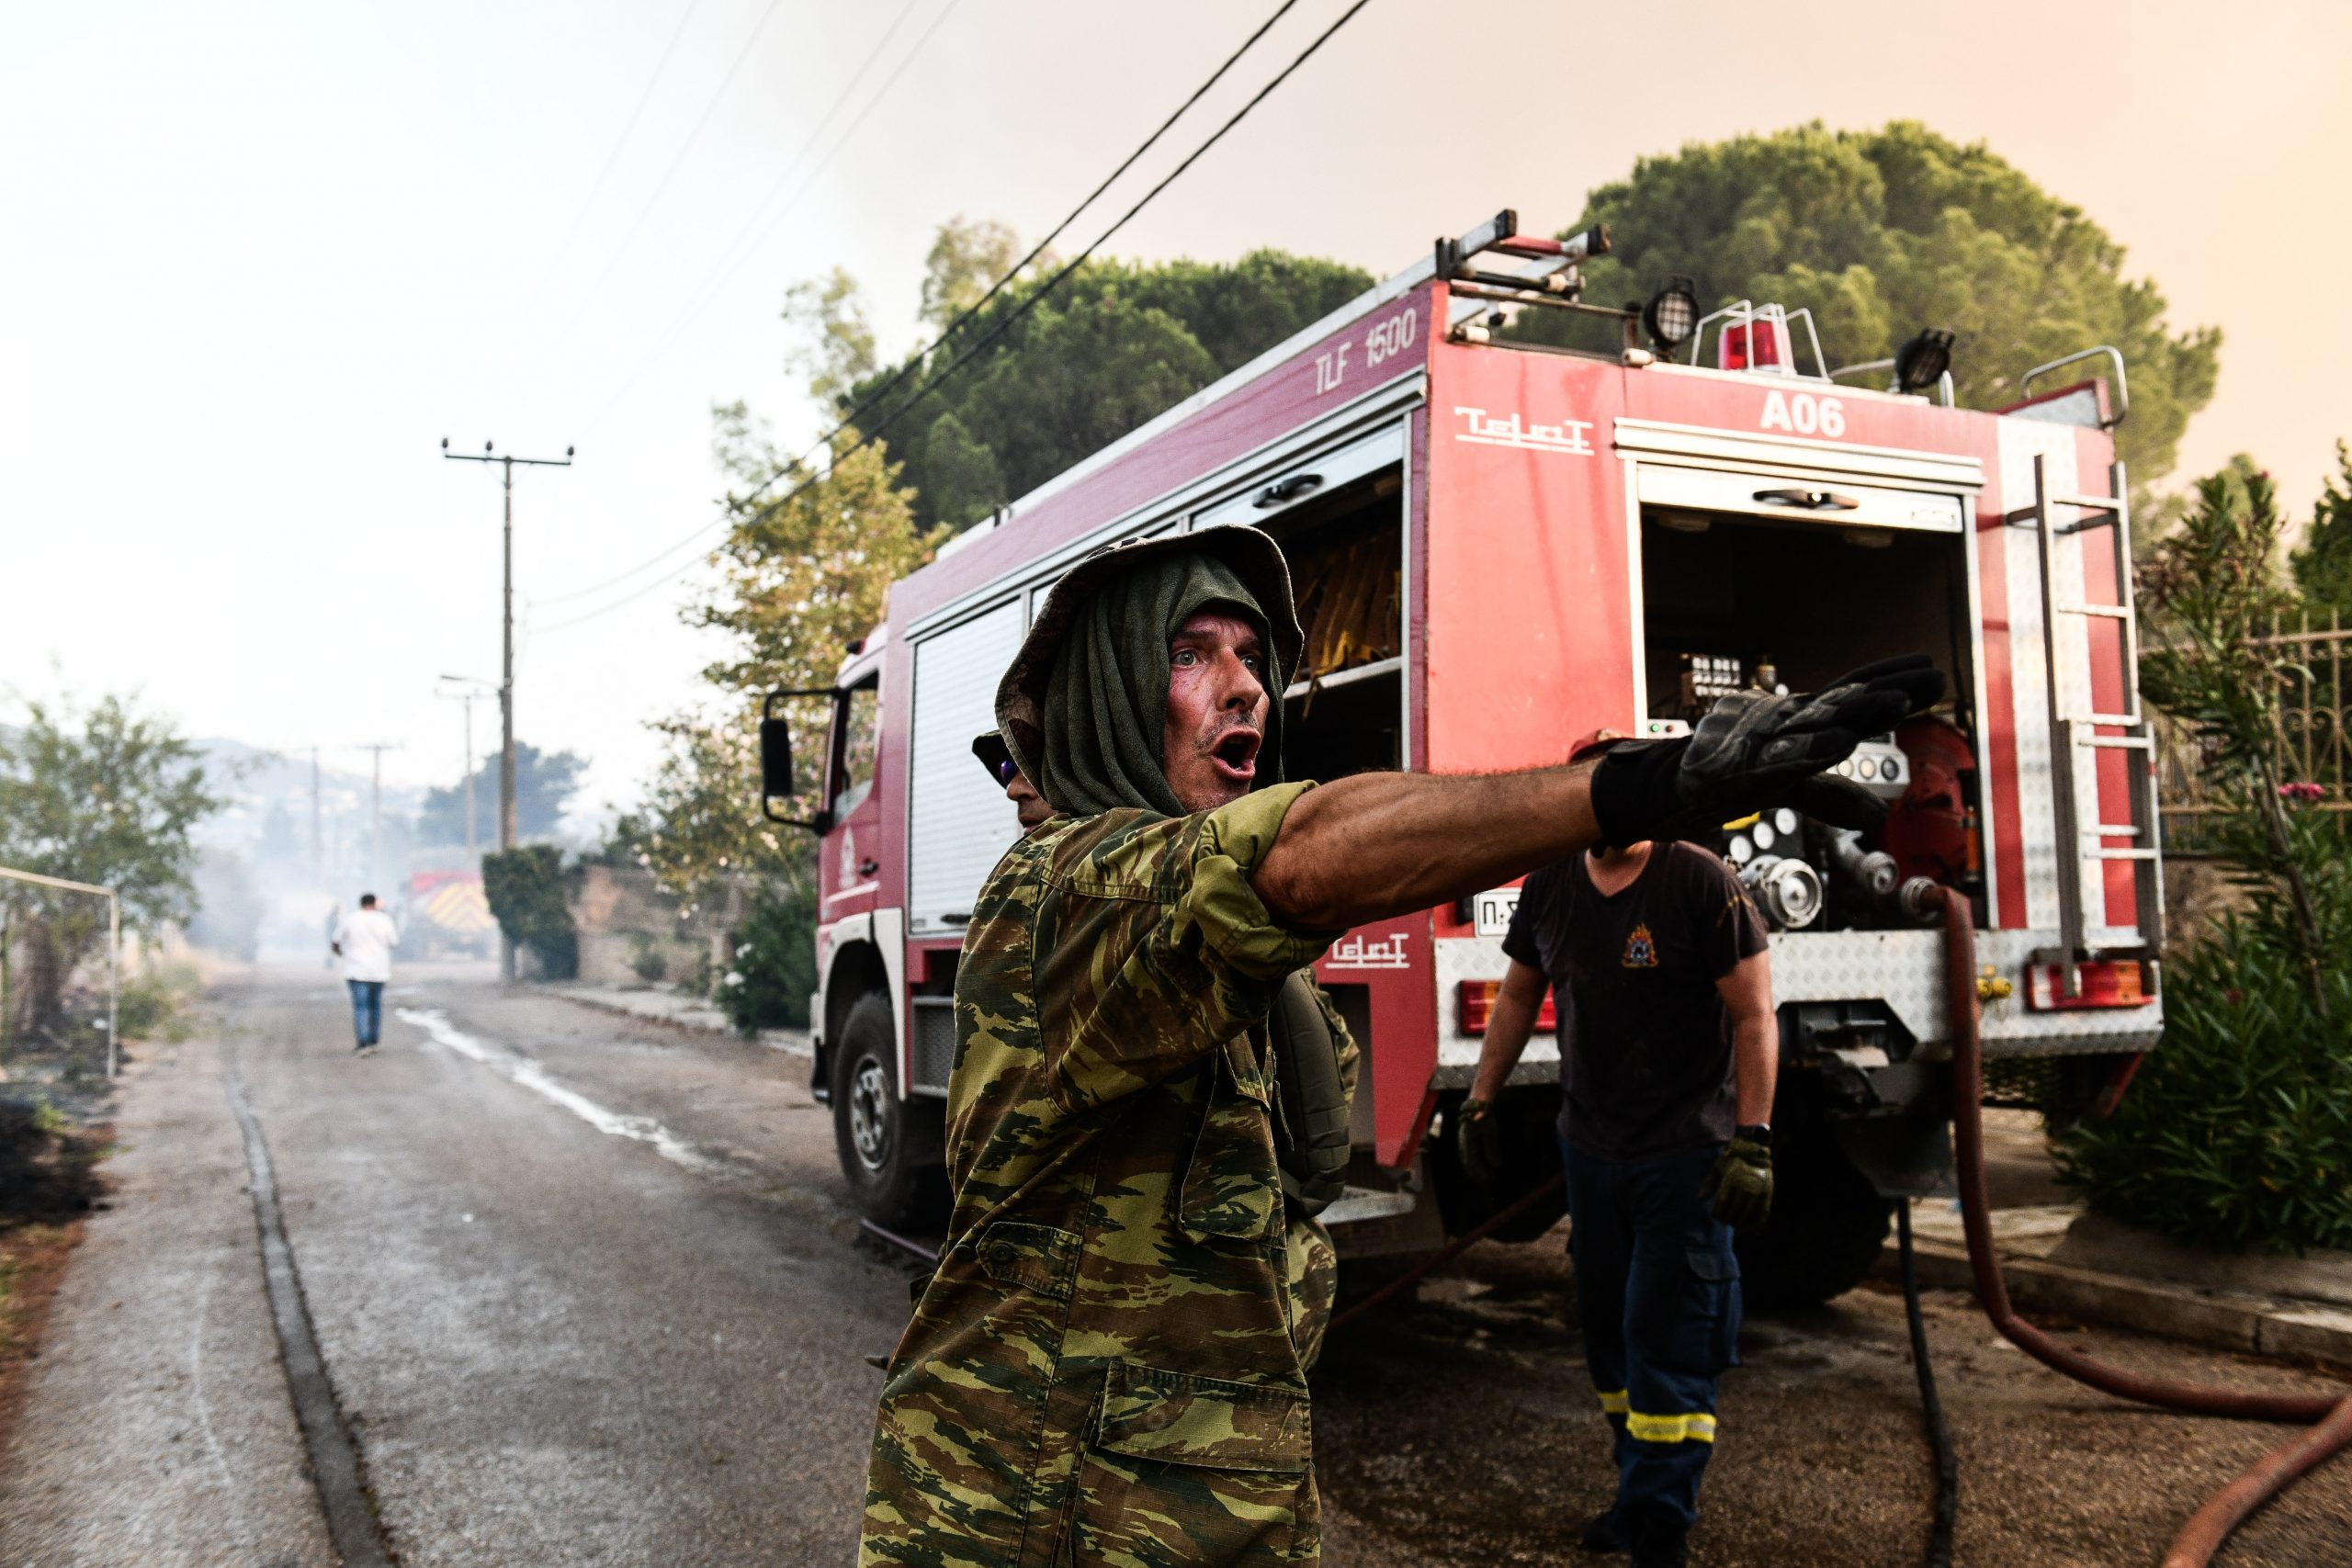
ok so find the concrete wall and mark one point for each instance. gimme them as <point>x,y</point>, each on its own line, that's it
<point>624,920</point>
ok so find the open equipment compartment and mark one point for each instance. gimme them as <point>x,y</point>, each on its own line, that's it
<point>1746,596</point>
<point>1344,710</point>
<point>1809,600</point>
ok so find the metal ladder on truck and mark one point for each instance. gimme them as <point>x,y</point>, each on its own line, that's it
<point>2074,733</point>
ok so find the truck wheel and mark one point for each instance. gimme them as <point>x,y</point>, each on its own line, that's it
<point>889,1146</point>
<point>1828,1222</point>
<point>1531,1158</point>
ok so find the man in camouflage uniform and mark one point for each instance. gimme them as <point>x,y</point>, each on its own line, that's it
<point>1109,1366</point>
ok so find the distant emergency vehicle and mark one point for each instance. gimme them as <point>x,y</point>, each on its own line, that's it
<point>1499,547</point>
<point>447,912</point>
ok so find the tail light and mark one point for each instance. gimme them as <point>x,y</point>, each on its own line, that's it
<point>1474,1004</point>
<point>2108,983</point>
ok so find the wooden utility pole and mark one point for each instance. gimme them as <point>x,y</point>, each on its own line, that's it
<point>506,833</point>
<point>473,688</point>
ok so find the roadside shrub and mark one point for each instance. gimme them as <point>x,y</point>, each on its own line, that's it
<point>774,965</point>
<point>2237,1132</point>
<point>158,1003</point>
<point>525,890</point>
<point>645,958</point>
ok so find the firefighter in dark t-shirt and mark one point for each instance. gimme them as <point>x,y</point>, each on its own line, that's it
<point>1667,1055</point>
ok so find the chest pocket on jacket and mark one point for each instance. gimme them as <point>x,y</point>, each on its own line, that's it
<point>1231,1187</point>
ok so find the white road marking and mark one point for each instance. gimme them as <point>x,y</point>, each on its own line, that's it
<point>518,1068</point>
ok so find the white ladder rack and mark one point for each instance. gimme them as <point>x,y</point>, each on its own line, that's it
<point>2075,731</point>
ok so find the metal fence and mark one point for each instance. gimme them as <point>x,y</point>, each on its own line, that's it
<point>114,954</point>
<point>2311,731</point>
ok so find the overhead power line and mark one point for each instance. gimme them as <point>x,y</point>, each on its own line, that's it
<point>1030,301</point>
<point>709,109</point>
<point>733,263</point>
<point>728,513</point>
<point>732,256</point>
<point>612,159</point>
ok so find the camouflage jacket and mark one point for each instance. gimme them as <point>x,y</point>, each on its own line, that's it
<point>1110,1365</point>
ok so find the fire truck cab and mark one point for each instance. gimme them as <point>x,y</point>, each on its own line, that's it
<point>1497,547</point>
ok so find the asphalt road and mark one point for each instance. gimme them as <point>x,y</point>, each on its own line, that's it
<point>587,1294</point>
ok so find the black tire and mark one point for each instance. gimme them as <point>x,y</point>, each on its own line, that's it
<point>889,1146</point>
<point>1829,1221</point>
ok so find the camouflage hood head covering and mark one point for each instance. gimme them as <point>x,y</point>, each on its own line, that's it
<point>1083,706</point>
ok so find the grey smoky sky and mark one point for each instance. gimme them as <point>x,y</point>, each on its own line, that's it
<point>259,258</point>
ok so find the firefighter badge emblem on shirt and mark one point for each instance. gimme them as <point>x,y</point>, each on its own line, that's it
<point>1641,949</point>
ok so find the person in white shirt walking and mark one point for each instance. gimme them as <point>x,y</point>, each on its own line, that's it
<point>364,941</point>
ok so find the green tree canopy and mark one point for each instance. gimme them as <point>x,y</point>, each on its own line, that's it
<point>106,795</point>
<point>2324,566</point>
<point>802,572</point>
<point>967,258</point>
<point>833,342</point>
<point>545,783</point>
<point>1881,233</point>
<point>1116,344</point>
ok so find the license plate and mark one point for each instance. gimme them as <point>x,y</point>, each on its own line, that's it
<point>1491,911</point>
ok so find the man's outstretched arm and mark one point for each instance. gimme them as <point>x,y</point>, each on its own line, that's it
<point>1379,844</point>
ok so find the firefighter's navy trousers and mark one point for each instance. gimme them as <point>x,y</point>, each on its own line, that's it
<point>1657,1290</point>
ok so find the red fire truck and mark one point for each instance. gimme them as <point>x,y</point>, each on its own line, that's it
<point>1498,546</point>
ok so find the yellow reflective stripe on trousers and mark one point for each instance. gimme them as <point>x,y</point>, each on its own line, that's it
<point>1615,1404</point>
<point>1697,1426</point>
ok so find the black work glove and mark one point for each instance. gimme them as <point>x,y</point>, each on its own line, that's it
<point>1754,751</point>
<point>1740,1185</point>
<point>1479,1142</point>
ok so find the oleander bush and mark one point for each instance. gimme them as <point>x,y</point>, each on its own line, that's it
<point>2237,1132</point>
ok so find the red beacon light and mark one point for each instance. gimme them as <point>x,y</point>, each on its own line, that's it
<point>1758,342</point>
<point>1761,339</point>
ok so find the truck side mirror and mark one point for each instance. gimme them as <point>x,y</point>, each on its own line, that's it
<point>775,760</point>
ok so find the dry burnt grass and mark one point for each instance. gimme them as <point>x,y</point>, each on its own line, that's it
<point>49,1184</point>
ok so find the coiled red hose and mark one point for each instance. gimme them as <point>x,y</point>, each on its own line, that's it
<point>2212,1523</point>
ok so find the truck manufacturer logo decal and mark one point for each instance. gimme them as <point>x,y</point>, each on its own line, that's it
<point>1483,429</point>
<point>1355,953</point>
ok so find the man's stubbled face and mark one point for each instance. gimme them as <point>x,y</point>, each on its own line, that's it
<point>1216,710</point>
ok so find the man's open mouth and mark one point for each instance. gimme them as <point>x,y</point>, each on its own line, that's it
<point>1237,755</point>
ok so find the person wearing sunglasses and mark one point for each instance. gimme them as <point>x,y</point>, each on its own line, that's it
<point>997,758</point>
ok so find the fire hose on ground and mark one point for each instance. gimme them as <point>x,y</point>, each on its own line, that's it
<point>2331,1418</point>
